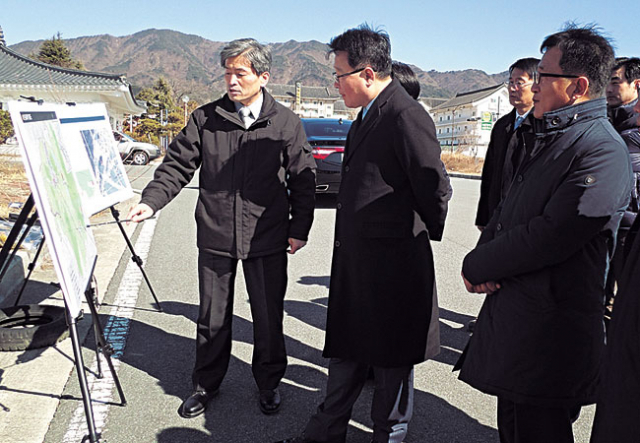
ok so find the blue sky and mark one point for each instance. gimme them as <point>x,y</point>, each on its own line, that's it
<point>443,35</point>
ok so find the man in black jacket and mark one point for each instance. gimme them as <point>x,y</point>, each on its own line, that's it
<point>622,96</point>
<point>257,191</point>
<point>542,259</point>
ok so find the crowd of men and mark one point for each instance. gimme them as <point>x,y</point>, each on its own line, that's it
<point>558,199</point>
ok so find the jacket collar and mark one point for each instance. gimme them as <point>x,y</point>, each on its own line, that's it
<point>623,117</point>
<point>227,109</point>
<point>562,118</point>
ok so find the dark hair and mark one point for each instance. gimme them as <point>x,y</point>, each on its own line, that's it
<point>365,46</point>
<point>631,67</point>
<point>528,65</point>
<point>584,52</point>
<point>407,78</point>
<point>258,55</point>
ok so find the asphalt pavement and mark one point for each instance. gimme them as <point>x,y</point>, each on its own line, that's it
<point>39,396</point>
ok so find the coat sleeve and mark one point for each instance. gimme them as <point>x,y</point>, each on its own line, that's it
<point>180,163</point>
<point>418,151</point>
<point>488,170</point>
<point>301,183</point>
<point>589,200</point>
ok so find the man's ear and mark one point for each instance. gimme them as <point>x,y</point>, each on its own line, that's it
<point>264,79</point>
<point>369,75</point>
<point>581,88</point>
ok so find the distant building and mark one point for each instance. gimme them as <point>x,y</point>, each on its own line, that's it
<point>311,101</point>
<point>464,123</point>
<point>21,76</point>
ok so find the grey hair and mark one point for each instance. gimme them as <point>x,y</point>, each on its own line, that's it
<point>258,55</point>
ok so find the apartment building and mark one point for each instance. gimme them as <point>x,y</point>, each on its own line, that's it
<point>464,123</point>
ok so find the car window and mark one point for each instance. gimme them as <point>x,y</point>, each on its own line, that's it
<point>327,128</point>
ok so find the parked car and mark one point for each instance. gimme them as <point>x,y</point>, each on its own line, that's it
<point>327,137</point>
<point>133,151</point>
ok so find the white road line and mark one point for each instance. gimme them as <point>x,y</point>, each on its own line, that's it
<point>115,333</point>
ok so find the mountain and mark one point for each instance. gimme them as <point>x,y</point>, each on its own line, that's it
<point>191,63</point>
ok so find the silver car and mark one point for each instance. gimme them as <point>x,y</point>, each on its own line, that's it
<point>135,152</point>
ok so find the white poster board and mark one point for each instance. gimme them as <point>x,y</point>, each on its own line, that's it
<point>57,196</point>
<point>94,157</point>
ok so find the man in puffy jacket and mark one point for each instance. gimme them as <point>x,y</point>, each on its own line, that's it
<point>543,257</point>
<point>257,191</point>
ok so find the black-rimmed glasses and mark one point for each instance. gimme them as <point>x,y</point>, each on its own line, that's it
<point>337,77</point>
<point>537,76</point>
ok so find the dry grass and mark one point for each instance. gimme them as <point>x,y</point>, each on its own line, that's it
<point>14,186</point>
<point>462,163</point>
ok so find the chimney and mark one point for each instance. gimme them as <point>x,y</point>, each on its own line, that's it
<point>2,42</point>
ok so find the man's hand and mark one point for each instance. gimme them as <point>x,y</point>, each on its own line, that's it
<point>488,287</point>
<point>295,245</point>
<point>140,212</point>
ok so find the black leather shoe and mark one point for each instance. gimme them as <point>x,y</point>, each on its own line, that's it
<point>196,403</point>
<point>269,401</point>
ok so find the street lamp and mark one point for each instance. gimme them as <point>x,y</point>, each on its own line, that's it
<point>185,99</point>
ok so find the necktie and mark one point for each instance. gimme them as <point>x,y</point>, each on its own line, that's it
<point>517,123</point>
<point>245,115</point>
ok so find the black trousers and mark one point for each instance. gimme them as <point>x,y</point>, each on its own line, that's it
<point>266,281</point>
<point>520,423</point>
<point>391,409</point>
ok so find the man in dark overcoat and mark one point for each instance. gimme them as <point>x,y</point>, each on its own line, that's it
<point>618,404</point>
<point>392,202</point>
<point>506,145</point>
<point>543,257</point>
<point>256,199</point>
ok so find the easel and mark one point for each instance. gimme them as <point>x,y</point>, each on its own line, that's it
<point>101,344</point>
<point>134,257</point>
<point>29,223</point>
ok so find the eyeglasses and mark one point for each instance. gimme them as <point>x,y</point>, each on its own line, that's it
<point>537,76</point>
<point>336,77</point>
<point>518,85</point>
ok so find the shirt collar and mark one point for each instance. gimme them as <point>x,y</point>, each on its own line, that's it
<point>254,107</point>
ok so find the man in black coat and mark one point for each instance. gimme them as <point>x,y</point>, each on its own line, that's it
<point>506,146</point>
<point>256,199</point>
<point>542,259</point>
<point>392,201</point>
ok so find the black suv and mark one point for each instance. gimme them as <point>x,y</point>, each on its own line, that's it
<point>327,137</point>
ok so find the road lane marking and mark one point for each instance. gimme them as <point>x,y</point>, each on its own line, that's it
<point>115,333</point>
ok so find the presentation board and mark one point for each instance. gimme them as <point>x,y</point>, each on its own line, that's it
<point>58,197</point>
<point>94,157</point>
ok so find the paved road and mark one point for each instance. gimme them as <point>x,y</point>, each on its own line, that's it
<point>156,364</point>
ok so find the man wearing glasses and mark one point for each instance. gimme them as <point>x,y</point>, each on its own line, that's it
<point>543,257</point>
<point>506,144</point>
<point>392,201</point>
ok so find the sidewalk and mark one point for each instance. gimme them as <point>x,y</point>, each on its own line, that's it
<point>31,382</point>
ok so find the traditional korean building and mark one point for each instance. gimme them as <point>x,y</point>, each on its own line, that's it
<point>22,77</point>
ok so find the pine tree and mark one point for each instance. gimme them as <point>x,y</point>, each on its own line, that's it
<point>55,52</point>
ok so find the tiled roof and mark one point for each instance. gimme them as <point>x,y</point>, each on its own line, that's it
<point>318,92</point>
<point>463,98</point>
<point>16,69</point>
